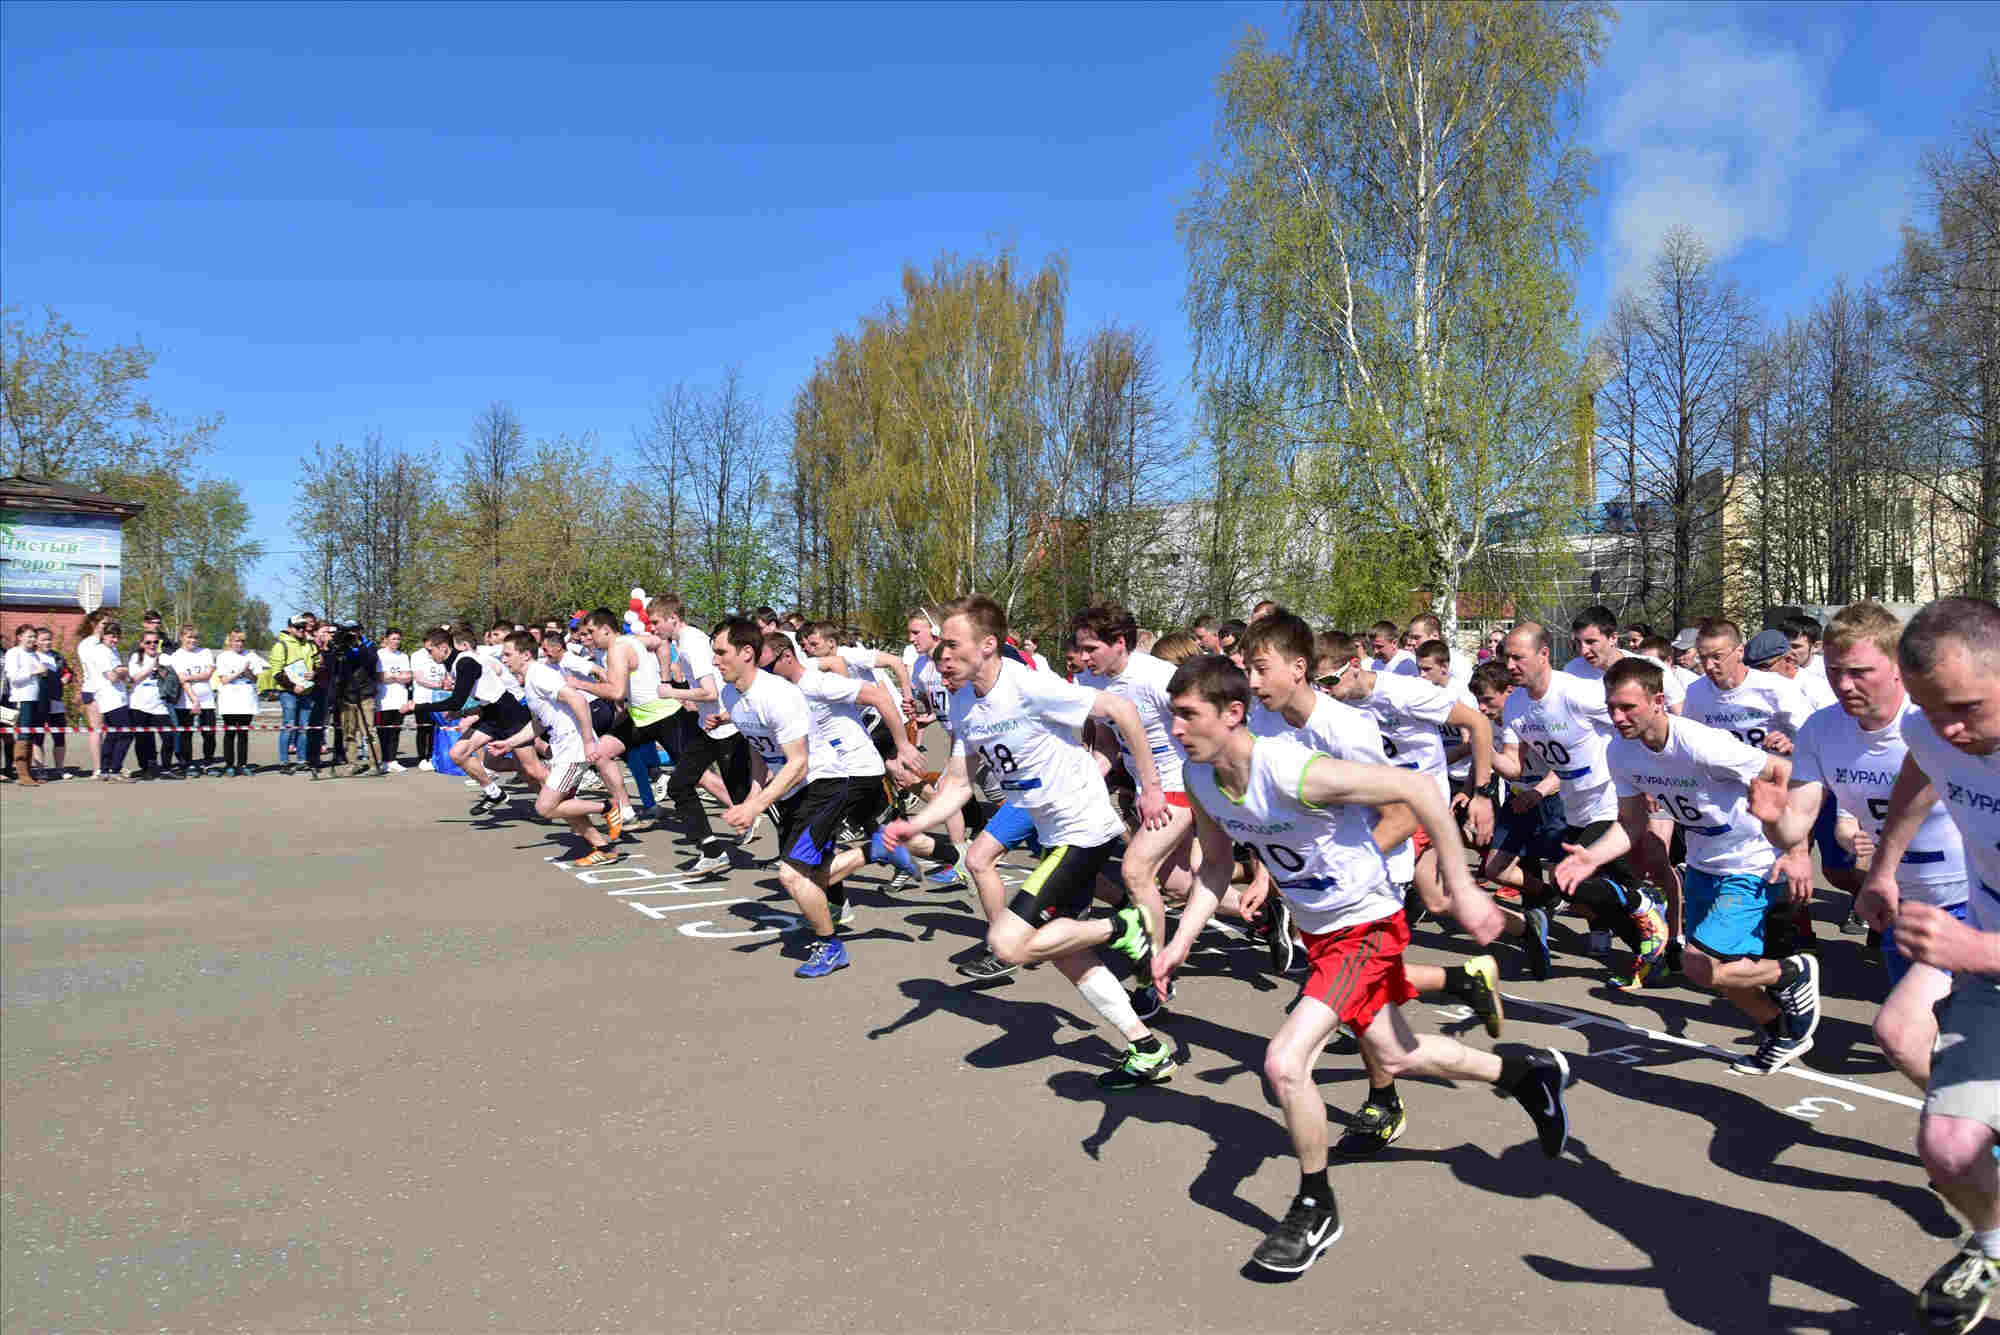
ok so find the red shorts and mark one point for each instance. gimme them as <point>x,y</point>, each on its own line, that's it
<point>1420,843</point>
<point>1358,970</point>
<point>1176,798</point>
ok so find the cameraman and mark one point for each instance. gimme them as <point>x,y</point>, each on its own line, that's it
<point>354,670</point>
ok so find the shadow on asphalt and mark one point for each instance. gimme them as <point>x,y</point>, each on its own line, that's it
<point>1030,1030</point>
<point>1714,1264</point>
<point>1244,1139</point>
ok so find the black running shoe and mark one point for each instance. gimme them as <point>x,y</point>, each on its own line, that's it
<point>1775,1052</point>
<point>1535,941</point>
<point>1541,1093</point>
<point>1799,1000</point>
<point>1278,925</point>
<point>486,804</point>
<point>1309,1228</point>
<point>1955,1298</point>
<point>1146,1002</point>
<point>985,966</point>
<point>1376,1127</point>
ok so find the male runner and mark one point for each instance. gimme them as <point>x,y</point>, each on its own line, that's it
<point>497,712</point>
<point>1561,718</point>
<point>707,739</point>
<point>631,678</point>
<point>1735,880</point>
<point>1310,816</point>
<point>1106,635</point>
<point>1024,724</point>
<point>563,715</point>
<point>1852,752</point>
<point>1949,656</point>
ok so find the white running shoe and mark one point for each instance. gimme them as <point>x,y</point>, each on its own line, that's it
<point>395,767</point>
<point>427,767</point>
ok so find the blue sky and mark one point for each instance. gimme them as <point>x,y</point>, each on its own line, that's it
<point>331,219</point>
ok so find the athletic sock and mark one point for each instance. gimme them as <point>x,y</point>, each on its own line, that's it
<point>1456,980</point>
<point>1315,1188</point>
<point>1386,1096</point>
<point>944,852</point>
<point>1988,1242</point>
<point>1513,1070</point>
<point>491,789</point>
<point>1789,972</point>
<point>1150,1043</point>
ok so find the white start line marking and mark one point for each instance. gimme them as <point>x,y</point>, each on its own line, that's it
<point>1807,1109</point>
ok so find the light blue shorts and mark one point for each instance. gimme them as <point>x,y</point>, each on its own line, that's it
<point>1725,914</point>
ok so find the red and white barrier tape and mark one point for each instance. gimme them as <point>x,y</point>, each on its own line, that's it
<point>40,728</point>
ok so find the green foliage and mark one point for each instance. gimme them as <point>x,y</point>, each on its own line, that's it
<point>1376,262</point>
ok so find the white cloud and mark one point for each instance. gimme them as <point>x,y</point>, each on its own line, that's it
<point>1733,133</point>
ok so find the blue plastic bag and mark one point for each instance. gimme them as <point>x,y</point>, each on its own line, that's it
<point>446,738</point>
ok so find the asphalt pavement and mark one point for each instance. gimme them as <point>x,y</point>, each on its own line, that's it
<point>285,1055</point>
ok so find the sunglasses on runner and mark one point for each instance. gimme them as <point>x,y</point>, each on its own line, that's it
<point>1332,679</point>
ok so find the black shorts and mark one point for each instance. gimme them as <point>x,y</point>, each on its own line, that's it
<point>885,741</point>
<point>498,720</point>
<point>1064,883</point>
<point>632,735</point>
<point>809,825</point>
<point>603,715</point>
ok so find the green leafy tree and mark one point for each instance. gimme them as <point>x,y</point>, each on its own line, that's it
<point>1376,264</point>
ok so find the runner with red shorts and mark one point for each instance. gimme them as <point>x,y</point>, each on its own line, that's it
<point>1312,816</point>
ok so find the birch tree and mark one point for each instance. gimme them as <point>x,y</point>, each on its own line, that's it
<point>1379,244</point>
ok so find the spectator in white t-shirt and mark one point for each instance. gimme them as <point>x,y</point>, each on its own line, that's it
<point>24,688</point>
<point>392,696</point>
<point>195,667</point>
<point>235,679</point>
<point>149,713</point>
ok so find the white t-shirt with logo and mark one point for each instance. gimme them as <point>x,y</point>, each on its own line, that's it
<point>100,658</point>
<point>770,714</point>
<point>431,679</point>
<point>1859,768</point>
<point>391,696</point>
<point>1340,730</point>
<point>1702,779</point>
<point>543,692</point>
<point>195,695</point>
<point>24,674</point>
<point>927,684</point>
<point>1762,704</point>
<point>1969,786</point>
<point>1144,683</point>
<point>237,697</point>
<point>697,664</point>
<point>1025,729</point>
<point>1323,859</point>
<point>146,694</point>
<point>1409,711</point>
<point>1567,730</point>
<point>838,745</point>
<point>1817,690</point>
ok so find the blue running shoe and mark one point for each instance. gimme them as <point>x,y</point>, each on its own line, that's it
<point>945,877</point>
<point>828,956</point>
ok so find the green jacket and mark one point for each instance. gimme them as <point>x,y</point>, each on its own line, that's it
<point>287,649</point>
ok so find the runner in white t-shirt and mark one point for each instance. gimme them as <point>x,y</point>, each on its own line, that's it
<point>1107,635</point>
<point>1560,720</point>
<point>1760,708</point>
<point>708,739</point>
<point>1703,777</point>
<point>562,714</point>
<point>1024,724</point>
<point>1598,651</point>
<point>1851,754</point>
<point>1949,656</point>
<point>1313,819</point>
